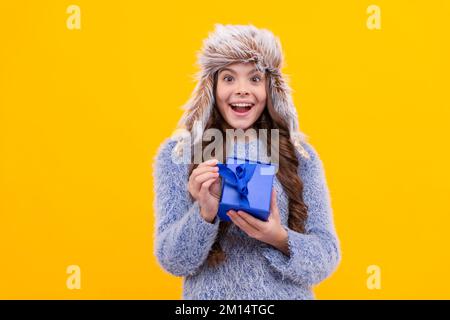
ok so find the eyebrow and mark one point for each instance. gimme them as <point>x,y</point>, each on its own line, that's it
<point>232,71</point>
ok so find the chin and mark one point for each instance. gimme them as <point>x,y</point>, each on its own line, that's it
<point>241,125</point>
<point>239,122</point>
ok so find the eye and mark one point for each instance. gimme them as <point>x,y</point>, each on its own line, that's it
<point>258,78</point>
<point>227,77</point>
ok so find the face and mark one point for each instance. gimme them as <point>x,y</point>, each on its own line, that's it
<point>241,94</point>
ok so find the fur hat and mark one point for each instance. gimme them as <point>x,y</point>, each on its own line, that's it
<point>239,43</point>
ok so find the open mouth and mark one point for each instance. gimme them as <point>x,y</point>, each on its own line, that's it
<point>241,108</point>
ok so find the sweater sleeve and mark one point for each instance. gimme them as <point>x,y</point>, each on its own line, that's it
<point>183,238</point>
<point>315,254</point>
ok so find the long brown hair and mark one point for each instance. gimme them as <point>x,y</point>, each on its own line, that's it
<point>287,171</point>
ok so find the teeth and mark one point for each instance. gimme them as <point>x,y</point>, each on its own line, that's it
<point>241,104</point>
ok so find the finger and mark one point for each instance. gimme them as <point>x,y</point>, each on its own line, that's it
<point>205,176</point>
<point>204,189</point>
<point>199,170</point>
<point>273,198</point>
<point>274,213</point>
<point>216,190</point>
<point>244,225</point>
<point>210,162</point>
<point>255,223</point>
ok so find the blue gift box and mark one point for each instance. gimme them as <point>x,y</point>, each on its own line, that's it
<point>247,186</point>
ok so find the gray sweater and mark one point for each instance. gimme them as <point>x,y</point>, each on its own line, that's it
<point>253,270</point>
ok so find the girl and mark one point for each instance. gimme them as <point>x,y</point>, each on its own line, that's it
<point>240,86</point>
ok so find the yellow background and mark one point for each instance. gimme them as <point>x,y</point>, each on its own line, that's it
<point>82,113</point>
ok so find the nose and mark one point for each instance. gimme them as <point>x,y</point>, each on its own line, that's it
<point>242,92</point>
<point>242,88</point>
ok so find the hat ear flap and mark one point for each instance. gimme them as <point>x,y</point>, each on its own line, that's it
<point>198,108</point>
<point>282,102</point>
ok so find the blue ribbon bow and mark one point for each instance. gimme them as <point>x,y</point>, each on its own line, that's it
<point>238,180</point>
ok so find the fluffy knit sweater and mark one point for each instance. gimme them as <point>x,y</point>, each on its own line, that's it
<point>252,270</point>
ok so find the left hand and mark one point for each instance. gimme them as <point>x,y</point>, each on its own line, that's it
<point>270,231</point>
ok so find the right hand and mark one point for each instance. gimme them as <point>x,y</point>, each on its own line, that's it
<point>204,186</point>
